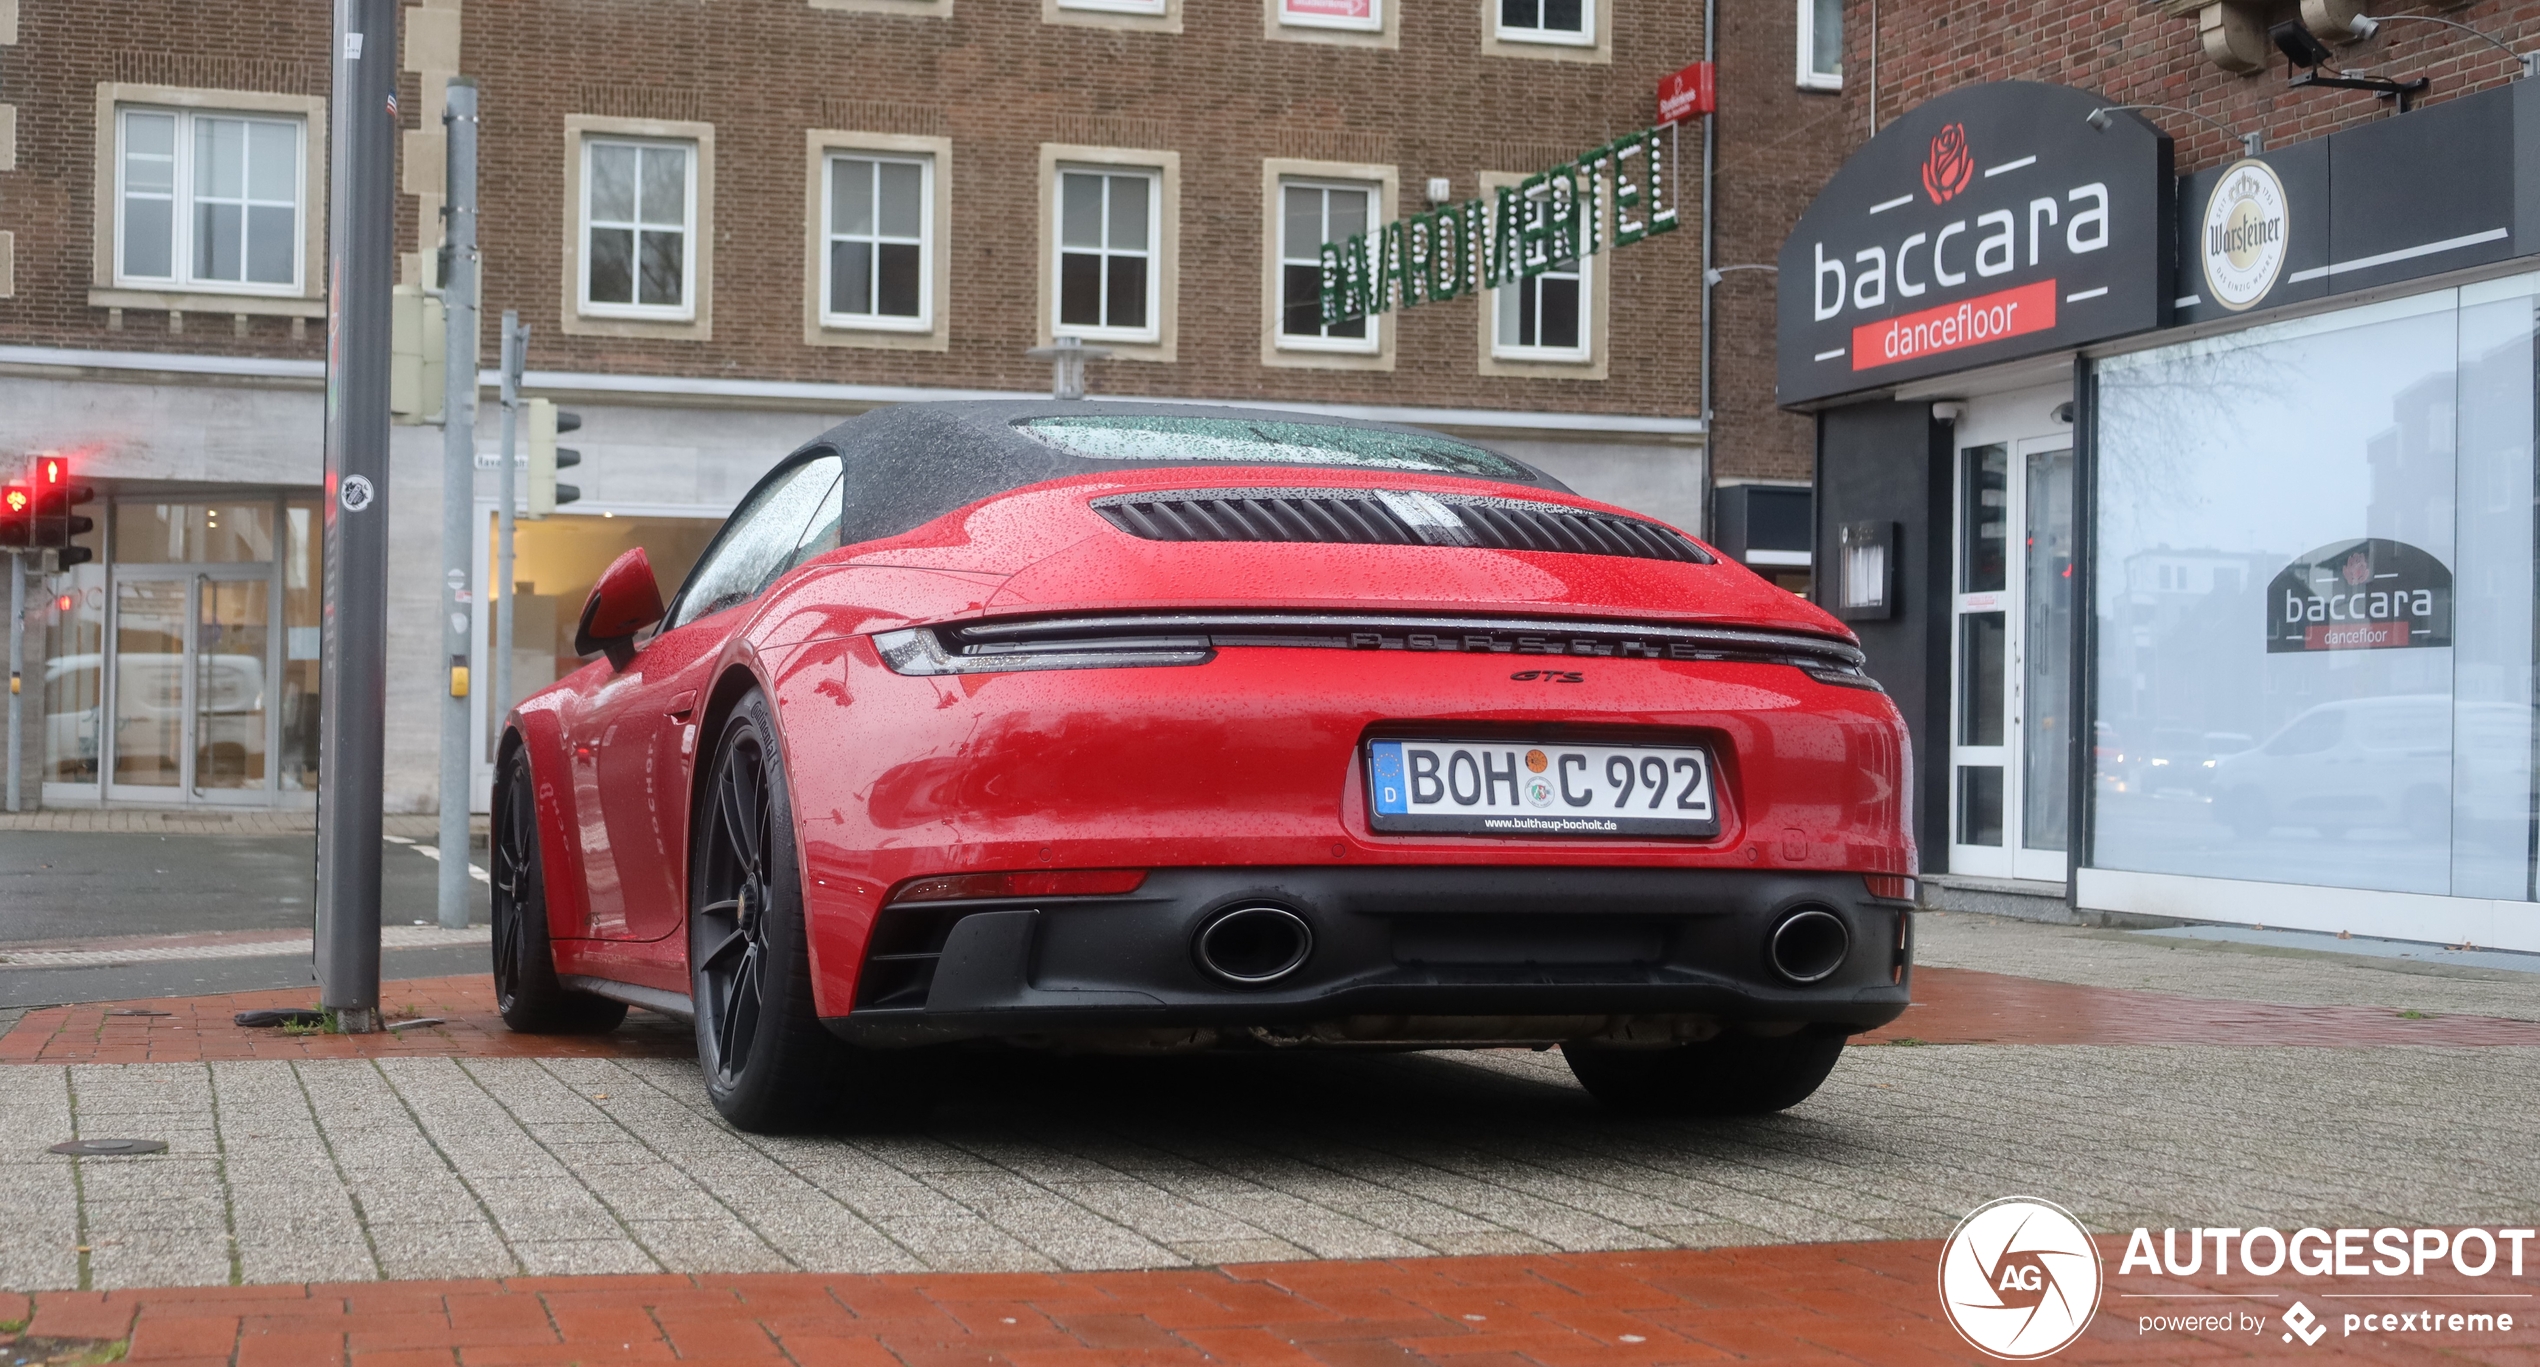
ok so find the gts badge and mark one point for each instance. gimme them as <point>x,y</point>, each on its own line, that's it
<point>1548,676</point>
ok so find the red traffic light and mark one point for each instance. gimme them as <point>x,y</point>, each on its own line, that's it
<point>51,470</point>
<point>63,603</point>
<point>17,516</point>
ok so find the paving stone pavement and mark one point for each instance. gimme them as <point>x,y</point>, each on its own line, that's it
<point>362,1169</point>
<point>2258,973</point>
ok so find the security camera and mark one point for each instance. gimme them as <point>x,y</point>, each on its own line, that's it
<point>2299,45</point>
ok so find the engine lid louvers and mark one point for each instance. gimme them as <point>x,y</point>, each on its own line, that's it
<point>1391,517</point>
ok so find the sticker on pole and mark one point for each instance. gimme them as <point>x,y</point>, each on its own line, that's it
<point>356,493</point>
<point>2019,1278</point>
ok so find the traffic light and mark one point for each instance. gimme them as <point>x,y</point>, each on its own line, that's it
<point>17,516</point>
<point>55,523</point>
<point>545,457</point>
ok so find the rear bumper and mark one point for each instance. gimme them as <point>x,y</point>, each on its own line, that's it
<point>1399,955</point>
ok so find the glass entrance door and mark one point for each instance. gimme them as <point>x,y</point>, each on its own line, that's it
<point>190,682</point>
<point>2011,747</point>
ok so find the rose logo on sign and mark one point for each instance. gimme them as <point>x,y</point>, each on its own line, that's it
<point>1949,165</point>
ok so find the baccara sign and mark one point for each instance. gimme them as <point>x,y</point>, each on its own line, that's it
<point>1611,196</point>
<point>1990,223</point>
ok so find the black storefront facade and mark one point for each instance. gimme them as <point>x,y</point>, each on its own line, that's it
<point>2189,520</point>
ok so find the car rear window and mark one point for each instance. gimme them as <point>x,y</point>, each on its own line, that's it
<point>1251,441</point>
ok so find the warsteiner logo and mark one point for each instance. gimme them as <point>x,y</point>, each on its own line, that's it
<point>1949,165</point>
<point>2019,1278</point>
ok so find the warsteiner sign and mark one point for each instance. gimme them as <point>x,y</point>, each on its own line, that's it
<point>2369,594</point>
<point>1990,223</point>
<point>1611,196</point>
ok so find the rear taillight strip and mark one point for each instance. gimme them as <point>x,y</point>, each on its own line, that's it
<point>1127,640</point>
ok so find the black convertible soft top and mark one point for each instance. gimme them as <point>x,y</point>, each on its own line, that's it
<point>910,464</point>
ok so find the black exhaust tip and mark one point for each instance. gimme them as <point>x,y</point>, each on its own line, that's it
<point>1251,946</point>
<point>1809,945</point>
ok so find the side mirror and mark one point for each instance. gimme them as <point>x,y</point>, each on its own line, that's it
<point>625,601</point>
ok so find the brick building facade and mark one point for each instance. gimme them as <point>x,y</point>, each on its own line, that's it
<point>2145,345</point>
<point>729,226</point>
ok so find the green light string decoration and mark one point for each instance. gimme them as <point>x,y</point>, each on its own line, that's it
<point>1612,196</point>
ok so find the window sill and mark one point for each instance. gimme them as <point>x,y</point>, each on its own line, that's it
<point>1822,84</point>
<point>879,337</point>
<point>210,303</point>
<point>697,329</point>
<point>1535,45</point>
<point>922,9</point>
<point>1165,20</point>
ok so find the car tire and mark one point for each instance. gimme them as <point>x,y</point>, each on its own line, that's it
<point>526,992</point>
<point>769,1064</point>
<point>1725,1076</point>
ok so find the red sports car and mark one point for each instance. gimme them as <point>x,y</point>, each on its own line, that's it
<point>1093,726</point>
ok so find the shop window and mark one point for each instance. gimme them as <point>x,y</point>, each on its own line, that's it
<point>1821,44</point>
<point>1312,213</point>
<point>2334,683</point>
<point>877,230</point>
<point>209,201</point>
<point>1547,21</point>
<point>1107,236</point>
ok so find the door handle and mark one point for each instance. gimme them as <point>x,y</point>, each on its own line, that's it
<point>684,703</point>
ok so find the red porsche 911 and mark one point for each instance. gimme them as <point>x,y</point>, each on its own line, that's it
<point>1139,728</point>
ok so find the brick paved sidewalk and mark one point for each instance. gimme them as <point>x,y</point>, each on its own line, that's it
<point>1869,1303</point>
<point>1956,1006</point>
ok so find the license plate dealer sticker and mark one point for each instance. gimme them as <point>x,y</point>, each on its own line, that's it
<point>1476,787</point>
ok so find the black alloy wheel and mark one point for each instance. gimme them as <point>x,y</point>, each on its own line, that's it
<point>526,991</point>
<point>769,1063</point>
<point>1729,1075</point>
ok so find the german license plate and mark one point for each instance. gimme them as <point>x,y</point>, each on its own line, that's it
<point>1497,787</point>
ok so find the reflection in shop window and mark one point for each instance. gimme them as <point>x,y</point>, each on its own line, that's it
<point>2389,766</point>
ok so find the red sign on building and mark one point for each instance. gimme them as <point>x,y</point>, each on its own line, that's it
<point>1683,94</point>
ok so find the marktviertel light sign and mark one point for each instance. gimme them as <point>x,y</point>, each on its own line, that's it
<point>1612,196</point>
<point>1990,223</point>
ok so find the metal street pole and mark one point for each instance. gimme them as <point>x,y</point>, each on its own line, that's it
<point>353,703</point>
<point>515,356</point>
<point>17,665</point>
<point>458,489</point>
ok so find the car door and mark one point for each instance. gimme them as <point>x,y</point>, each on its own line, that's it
<point>644,718</point>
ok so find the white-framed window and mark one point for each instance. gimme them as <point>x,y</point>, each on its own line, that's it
<point>1548,21</point>
<point>1108,229</point>
<point>1367,16</point>
<point>1821,44</point>
<point>878,234</point>
<point>209,201</point>
<point>639,217</point>
<point>1544,318</point>
<point>1311,213</point>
